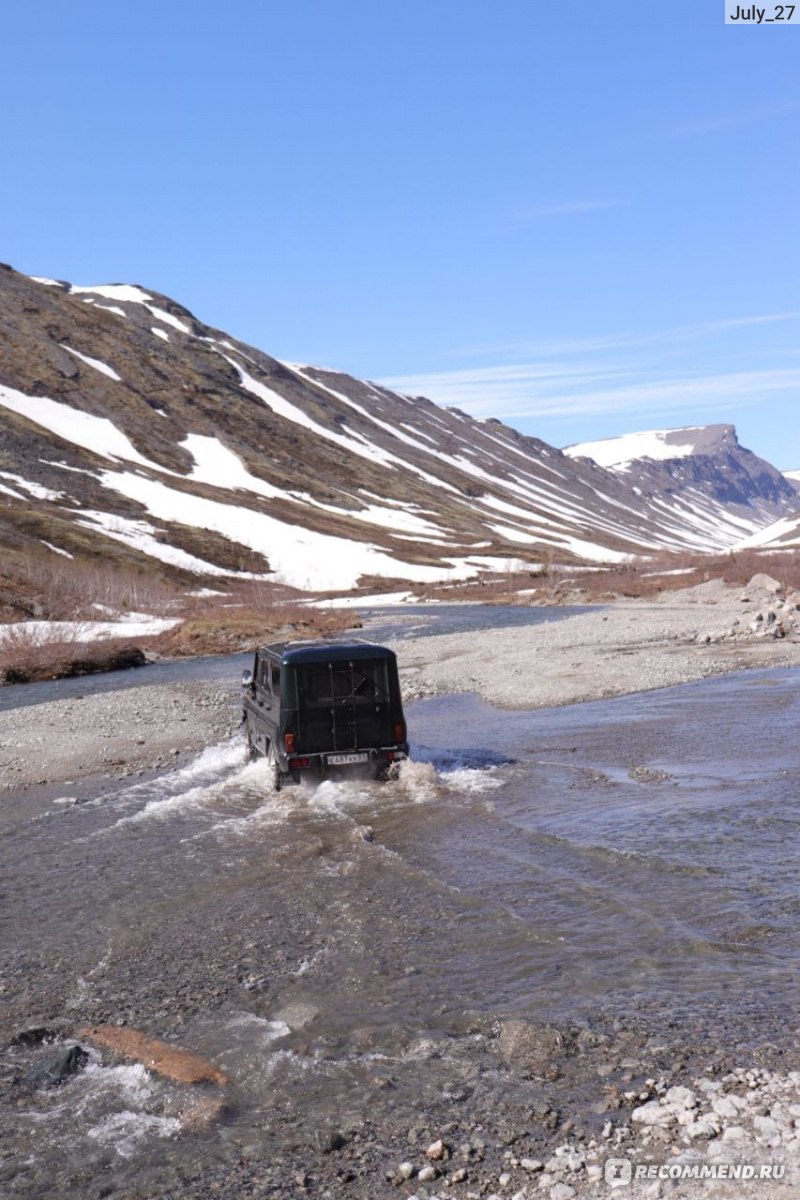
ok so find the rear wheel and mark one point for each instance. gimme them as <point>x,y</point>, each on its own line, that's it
<point>252,752</point>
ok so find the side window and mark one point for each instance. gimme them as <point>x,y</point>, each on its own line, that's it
<point>276,680</point>
<point>263,673</point>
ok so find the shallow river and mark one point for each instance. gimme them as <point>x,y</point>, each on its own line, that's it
<point>634,857</point>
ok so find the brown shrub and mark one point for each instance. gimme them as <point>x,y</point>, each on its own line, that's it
<point>34,653</point>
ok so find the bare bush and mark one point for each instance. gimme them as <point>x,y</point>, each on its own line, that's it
<point>30,651</point>
<point>65,589</point>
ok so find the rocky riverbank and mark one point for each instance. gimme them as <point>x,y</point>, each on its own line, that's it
<point>117,734</point>
<point>630,646</point>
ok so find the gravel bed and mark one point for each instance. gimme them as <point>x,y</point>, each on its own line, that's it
<point>113,733</point>
<point>631,646</point>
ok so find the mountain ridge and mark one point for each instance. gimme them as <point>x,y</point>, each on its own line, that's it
<point>132,429</point>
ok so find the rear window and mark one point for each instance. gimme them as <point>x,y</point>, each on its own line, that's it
<point>320,684</point>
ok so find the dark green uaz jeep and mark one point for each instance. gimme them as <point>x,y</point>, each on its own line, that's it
<point>315,707</point>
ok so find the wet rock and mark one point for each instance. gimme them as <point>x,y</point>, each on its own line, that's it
<point>437,1151</point>
<point>57,1067</point>
<point>205,1113</point>
<point>297,1014</point>
<point>328,1141</point>
<point>725,1107</point>
<point>34,1035</point>
<point>178,1065</point>
<point>681,1097</point>
<point>530,1046</point>
<point>653,1113</point>
<point>761,583</point>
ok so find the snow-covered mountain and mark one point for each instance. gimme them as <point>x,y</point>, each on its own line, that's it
<point>702,460</point>
<point>133,431</point>
<point>794,479</point>
<point>620,453</point>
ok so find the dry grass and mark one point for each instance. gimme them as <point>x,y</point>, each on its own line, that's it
<point>230,627</point>
<point>640,580</point>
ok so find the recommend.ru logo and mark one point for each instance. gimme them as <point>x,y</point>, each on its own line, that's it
<point>618,1171</point>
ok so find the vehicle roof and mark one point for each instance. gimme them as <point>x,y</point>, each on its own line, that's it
<point>291,653</point>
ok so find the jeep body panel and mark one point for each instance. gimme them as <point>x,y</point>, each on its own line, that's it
<point>316,706</point>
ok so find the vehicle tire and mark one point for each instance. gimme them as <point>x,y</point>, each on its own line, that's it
<point>273,770</point>
<point>252,752</point>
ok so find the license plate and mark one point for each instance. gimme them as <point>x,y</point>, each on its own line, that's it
<point>344,760</point>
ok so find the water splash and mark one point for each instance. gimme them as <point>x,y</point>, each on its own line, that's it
<point>125,1131</point>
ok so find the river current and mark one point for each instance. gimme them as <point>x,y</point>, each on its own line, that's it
<point>629,856</point>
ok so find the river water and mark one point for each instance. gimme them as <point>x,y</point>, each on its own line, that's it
<point>633,859</point>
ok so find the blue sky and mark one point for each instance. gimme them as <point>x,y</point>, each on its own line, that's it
<point>581,218</point>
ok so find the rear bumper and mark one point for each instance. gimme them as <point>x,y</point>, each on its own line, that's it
<point>377,758</point>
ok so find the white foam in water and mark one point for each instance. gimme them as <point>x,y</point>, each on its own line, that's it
<point>125,1130</point>
<point>261,1029</point>
<point>128,1090</point>
<point>198,783</point>
<point>132,1082</point>
<point>418,779</point>
<point>468,779</point>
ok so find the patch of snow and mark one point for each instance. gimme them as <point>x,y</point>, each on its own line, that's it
<point>35,489</point>
<point>66,467</point>
<point>377,600</point>
<point>619,452</point>
<point>290,412</point>
<point>591,551</point>
<point>102,367</point>
<point>500,564</point>
<point>114,291</point>
<point>161,314</point>
<point>160,333</point>
<point>378,452</point>
<point>776,534</point>
<point>672,571</point>
<point>389,519</point>
<point>215,464</point>
<point>7,491</point>
<point>132,625</point>
<point>140,535</point>
<point>298,556</point>
<point>514,535</point>
<point>43,279</point>
<point>73,425</point>
<point>110,308</point>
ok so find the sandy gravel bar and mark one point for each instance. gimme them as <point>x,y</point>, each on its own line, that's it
<point>111,733</point>
<point>631,646</point>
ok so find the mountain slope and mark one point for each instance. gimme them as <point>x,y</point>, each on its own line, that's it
<point>132,430</point>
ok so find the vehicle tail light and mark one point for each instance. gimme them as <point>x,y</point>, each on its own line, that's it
<point>400,732</point>
<point>290,743</point>
<point>296,764</point>
<point>390,755</point>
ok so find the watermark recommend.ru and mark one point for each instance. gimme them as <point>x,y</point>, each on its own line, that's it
<point>621,1171</point>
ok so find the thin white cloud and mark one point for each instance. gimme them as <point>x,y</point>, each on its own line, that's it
<point>512,392</point>
<point>572,379</point>
<point>556,347</point>
<point>708,125</point>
